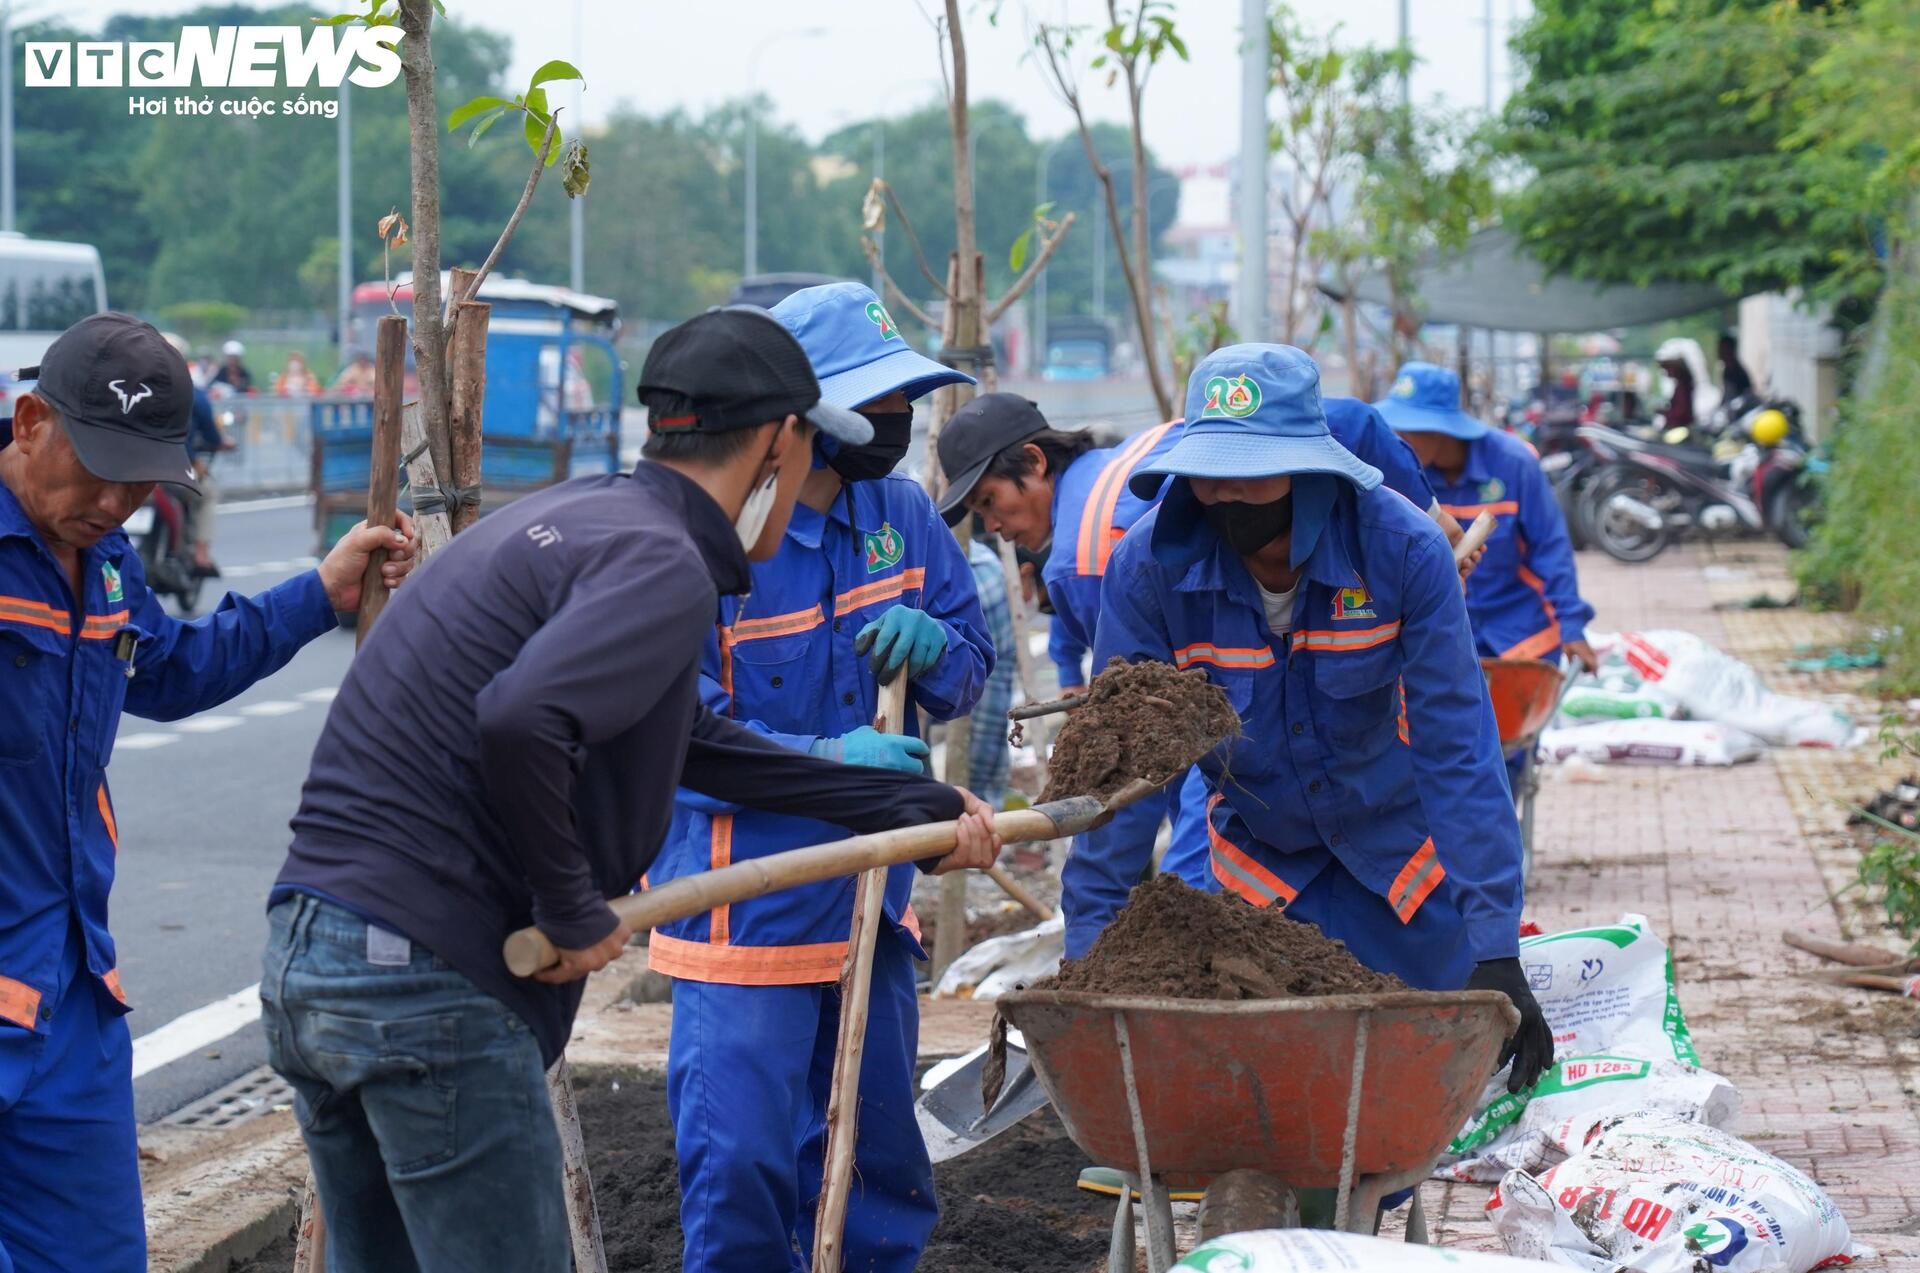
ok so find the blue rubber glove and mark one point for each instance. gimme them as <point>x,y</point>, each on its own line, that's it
<point>902,636</point>
<point>868,746</point>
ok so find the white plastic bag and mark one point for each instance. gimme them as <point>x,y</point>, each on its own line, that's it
<point>1664,1195</point>
<point>1007,962</point>
<point>1535,1129</point>
<point>1326,1251</point>
<point>1713,685</point>
<point>1652,742</point>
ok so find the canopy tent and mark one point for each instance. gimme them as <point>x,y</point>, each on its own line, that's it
<point>1493,283</point>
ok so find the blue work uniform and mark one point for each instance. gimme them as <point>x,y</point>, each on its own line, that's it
<point>755,1013</point>
<point>1098,521</point>
<point>1524,596</point>
<point>68,667</point>
<point>1366,792</point>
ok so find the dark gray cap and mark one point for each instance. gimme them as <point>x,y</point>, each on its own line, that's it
<point>977,432</point>
<point>124,396</point>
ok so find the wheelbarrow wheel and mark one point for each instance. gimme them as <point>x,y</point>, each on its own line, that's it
<point>1244,1200</point>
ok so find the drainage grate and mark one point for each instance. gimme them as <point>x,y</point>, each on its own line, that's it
<point>243,1100</point>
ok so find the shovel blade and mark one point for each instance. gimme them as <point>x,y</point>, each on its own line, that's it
<point>950,1115</point>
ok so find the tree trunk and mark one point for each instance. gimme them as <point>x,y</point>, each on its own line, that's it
<point>1140,277</point>
<point>423,126</point>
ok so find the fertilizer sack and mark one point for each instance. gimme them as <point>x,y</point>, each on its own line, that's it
<point>1325,1251</point>
<point>1653,1193</point>
<point>1589,701</point>
<point>1651,742</point>
<point>1007,962</point>
<point>1609,989</point>
<point>1537,1128</point>
<point>1713,685</point>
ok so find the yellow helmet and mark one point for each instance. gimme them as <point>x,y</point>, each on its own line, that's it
<point>1769,428</point>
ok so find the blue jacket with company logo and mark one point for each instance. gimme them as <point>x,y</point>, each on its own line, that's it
<point>781,661</point>
<point>64,664</point>
<point>1368,738</point>
<point>1524,596</point>
<point>1093,508</point>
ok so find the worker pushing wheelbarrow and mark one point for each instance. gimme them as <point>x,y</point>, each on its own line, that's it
<point>1526,695</point>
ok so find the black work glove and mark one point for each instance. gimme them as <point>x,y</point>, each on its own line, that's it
<point>1531,1047</point>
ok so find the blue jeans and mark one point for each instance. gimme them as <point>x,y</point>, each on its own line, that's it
<point>423,1102</point>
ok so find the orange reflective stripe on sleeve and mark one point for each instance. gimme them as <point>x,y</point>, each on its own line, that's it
<point>719,854</point>
<point>19,1002</point>
<point>1545,641</point>
<point>1223,656</point>
<point>1095,544</point>
<point>1236,870</point>
<point>1417,880</point>
<point>1401,724</point>
<point>746,965</point>
<point>1360,639</point>
<point>106,816</point>
<point>880,590</point>
<point>35,614</point>
<point>111,980</point>
<point>103,627</point>
<point>1464,513</point>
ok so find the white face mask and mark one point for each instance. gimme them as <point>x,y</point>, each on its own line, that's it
<point>755,511</point>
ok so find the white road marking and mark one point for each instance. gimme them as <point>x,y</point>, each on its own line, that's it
<point>272,707</point>
<point>144,742</point>
<point>195,1030</point>
<point>319,696</point>
<point>266,505</point>
<point>208,724</point>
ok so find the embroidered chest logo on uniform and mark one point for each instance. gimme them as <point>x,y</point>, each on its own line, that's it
<point>111,577</point>
<point>877,314</point>
<point>884,548</point>
<point>1233,396</point>
<point>1353,603</point>
<point>1492,489</point>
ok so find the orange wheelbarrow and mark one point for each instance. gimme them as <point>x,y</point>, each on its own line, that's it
<point>1289,1100</point>
<point>1526,696</point>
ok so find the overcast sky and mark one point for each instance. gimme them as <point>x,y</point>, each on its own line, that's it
<point>661,54</point>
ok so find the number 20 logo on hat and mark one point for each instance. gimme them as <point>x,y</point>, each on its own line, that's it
<point>877,313</point>
<point>1235,396</point>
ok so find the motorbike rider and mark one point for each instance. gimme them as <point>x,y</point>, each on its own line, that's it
<point>1734,380</point>
<point>204,441</point>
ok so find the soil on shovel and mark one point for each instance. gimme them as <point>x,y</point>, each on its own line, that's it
<point>1138,720</point>
<point>1010,1206</point>
<point>1175,941</point>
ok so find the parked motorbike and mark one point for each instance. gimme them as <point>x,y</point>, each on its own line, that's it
<point>158,530</point>
<point>1568,463</point>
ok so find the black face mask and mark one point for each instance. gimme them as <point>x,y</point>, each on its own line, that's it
<point>892,430</point>
<point>1247,528</point>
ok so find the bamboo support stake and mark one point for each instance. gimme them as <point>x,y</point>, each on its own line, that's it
<point>432,530</point>
<point>468,359</point>
<point>583,1216</point>
<point>856,986</point>
<point>383,482</point>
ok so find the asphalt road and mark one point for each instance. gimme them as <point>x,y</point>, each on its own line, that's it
<point>202,807</point>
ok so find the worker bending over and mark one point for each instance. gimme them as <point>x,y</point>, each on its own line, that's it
<point>866,584</point>
<point>505,751</point>
<point>1365,793</point>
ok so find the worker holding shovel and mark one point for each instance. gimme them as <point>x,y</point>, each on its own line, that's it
<point>1051,491</point>
<point>505,751</point>
<point>866,585</point>
<point>1366,793</point>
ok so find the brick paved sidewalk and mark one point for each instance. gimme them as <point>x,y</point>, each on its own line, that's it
<point>1721,861</point>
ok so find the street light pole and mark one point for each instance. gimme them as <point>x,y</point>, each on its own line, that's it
<point>343,226</point>
<point>880,235</point>
<point>1036,344</point>
<point>1255,76</point>
<point>6,116</point>
<point>1406,45</point>
<point>753,142</point>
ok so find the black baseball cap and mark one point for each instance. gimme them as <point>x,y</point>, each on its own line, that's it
<point>977,432</point>
<point>736,367</point>
<point>124,396</point>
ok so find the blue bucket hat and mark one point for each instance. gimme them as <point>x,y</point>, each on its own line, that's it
<point>1425,398</point>
<point>856,349</point>
<point>1254,411</point>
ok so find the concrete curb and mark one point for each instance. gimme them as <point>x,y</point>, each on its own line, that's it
<point>221,1196</point>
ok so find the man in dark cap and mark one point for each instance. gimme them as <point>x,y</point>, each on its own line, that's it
<point>81,639</point>
<point>505,752</point>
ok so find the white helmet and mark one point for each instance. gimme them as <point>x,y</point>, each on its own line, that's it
<point>233,349</point>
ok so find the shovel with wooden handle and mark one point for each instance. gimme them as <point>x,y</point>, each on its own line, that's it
<point>1475,536</point>
<point>528,951</point>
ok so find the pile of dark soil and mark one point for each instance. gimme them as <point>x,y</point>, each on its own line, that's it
<point>1176,941</point>
<point>1139,720</point>
<point>1010,1206</point>
<point>1898,804</point>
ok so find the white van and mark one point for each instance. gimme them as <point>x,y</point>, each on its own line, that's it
<point>45,288</point>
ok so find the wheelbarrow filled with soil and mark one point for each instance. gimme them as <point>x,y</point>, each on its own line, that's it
<point>1269,1067</point>
<point>1526,693</point>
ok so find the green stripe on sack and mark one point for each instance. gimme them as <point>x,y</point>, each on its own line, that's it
<point>1621,935</point>
<point>1675,1021</point>
<point>1503,1113</point>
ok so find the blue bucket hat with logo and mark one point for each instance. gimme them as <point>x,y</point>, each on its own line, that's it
<point>855,347</point>
<point>1254,411</point>
<point>1425,398</point>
